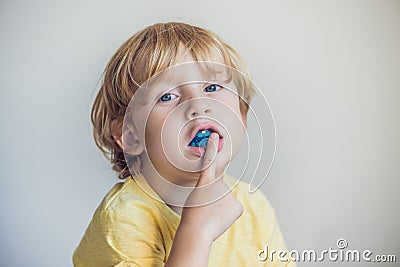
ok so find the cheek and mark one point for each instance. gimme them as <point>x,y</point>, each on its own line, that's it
<point>237,132</point>
<point>235,127</point>
<point>231,99</point>
<point>163,140</point>
<point>172,138</point>
<point>153,131</point>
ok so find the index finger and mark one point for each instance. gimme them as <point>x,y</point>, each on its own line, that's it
<point>209,161</point>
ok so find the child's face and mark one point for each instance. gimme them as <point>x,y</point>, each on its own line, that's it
<point>175,108</point>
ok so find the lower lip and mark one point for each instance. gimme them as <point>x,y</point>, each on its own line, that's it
<point>199,151</point>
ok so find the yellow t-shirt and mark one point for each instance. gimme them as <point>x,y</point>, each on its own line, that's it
<point>131,228</point>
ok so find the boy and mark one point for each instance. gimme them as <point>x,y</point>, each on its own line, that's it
<point>171,114</point>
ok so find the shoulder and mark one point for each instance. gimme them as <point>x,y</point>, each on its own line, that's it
<point>257,209</point>
<point>127,201</point>
<point>125,226</point>
<point>121,195</point>
<point>256,201</point>
<point>258,212</point>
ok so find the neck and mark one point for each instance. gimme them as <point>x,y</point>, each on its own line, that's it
<point>177,210</point>
<point>173,195</point>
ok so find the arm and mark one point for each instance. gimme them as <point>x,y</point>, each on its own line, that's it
<point>189,249</point>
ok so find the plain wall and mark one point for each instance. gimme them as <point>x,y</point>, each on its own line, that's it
<point>329,69</point>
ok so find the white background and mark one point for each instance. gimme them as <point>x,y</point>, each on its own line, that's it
<point>330,70</point>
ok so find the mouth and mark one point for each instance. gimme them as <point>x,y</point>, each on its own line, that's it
<point>200,136</point>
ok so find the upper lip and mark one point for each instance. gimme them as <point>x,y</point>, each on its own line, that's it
<point>204,126</point>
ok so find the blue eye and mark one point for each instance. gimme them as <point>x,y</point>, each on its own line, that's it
<point>212,88</point>
<point>167,97</point>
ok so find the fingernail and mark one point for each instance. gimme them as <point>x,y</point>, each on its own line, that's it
<point>215,136</point>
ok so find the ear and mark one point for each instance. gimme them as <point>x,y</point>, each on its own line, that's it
<point>129,141</point>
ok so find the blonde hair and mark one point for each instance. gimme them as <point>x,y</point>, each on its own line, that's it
<point>146,53</point>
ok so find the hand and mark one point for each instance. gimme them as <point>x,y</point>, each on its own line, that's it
<point>211,208</point>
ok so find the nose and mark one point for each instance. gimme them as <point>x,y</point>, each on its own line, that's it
<point>197,107</point>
